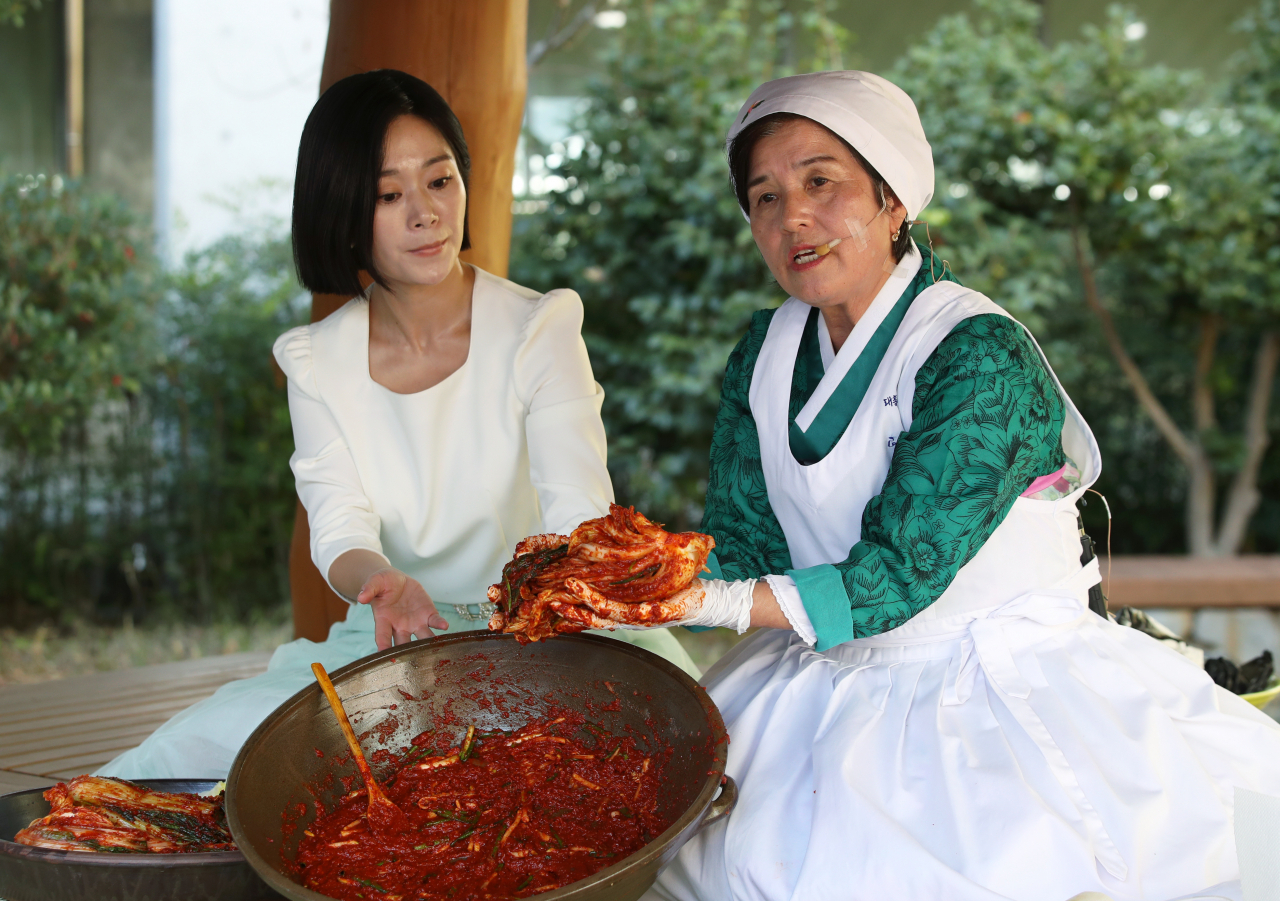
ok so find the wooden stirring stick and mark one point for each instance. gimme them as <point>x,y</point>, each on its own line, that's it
<point>386,819</point>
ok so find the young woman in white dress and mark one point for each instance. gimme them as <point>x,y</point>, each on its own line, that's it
<point>439,417</point>
<point>934,711</point>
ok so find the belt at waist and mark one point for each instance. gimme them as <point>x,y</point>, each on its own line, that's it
<point>467,612</point>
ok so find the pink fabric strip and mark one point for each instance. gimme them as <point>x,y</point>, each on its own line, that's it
<point>1044,482</point>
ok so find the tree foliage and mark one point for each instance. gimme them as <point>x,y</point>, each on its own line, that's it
<point>1078,178</point>
<point>75,336</point>
<point>75,303</point>
<point>13,12</point>
<point>1125,211</point>
<point>647,231</point>
<point>144,432</point>
<point>224,434</point>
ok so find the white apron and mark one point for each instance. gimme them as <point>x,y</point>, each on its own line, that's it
<point>1004,743</point>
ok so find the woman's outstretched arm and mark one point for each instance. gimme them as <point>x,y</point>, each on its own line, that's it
<point>401,606</point>
<point>345,542</point>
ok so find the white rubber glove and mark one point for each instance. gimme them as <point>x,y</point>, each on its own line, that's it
<point>724,604</point>
<point>707,602</point>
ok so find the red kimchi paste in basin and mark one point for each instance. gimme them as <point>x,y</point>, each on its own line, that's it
<point>493,815</point>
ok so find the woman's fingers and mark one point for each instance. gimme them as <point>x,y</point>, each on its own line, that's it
<point>402,609</point>
<point>427,621</point>
<point>432,618</point>
<point>679,606</point>
<point>390,629</point>
<point>383,631</point>
<point>423,624</point>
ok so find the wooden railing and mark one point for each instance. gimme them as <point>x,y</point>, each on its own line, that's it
<point>1192,582</point>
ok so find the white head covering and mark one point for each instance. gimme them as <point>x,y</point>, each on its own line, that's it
<point>875,116</point>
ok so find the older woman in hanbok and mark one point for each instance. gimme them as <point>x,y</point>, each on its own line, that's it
<point>936,713</point>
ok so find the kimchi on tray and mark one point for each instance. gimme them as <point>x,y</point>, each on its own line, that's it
<point>92,813</point>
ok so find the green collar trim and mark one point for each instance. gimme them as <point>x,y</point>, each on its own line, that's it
<point>808,447</point>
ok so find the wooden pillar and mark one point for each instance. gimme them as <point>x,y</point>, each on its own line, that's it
<point>473,53</point>
<point>73,14</point>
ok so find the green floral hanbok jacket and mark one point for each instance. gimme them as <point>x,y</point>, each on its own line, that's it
<point>986,422</point>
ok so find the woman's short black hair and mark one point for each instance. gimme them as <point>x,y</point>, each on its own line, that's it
<point>740,167</point>
<point>339,159</point>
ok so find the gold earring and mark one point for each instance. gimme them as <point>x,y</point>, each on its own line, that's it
<point>896,232</point>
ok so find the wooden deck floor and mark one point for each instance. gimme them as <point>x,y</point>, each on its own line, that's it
<point>66,727</point>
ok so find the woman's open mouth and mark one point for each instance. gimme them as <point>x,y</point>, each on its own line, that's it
<point>805,257</point>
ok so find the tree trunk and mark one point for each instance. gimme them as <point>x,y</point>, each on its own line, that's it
<point>473,53</point>
<point>1244,497</point>
<point>1203,540</point>
<point>1202,488</point>
<point>1182,446</point>
<point>558,36</point>
<point>1200,504</point>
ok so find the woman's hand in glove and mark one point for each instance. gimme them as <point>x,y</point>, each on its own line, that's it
<point>707,602</point>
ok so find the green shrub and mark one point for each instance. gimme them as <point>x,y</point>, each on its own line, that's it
<point>75,306</point>
<point>144,429</point>
<point>78,301</point>
<point>221,400</point>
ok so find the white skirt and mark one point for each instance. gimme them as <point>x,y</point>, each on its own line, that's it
<point>1033,751</point>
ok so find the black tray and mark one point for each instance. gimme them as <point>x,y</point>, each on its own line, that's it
<point>40,874</point>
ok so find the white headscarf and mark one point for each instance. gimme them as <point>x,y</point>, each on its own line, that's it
<point>875,116</point>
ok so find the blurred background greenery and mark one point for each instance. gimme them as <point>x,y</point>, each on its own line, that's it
<point>145,431</point>
<point>1164,179</point>
<point>1126,211</point>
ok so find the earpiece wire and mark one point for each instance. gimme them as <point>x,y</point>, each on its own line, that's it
<point>1108,509</point>
<point>946,266</point>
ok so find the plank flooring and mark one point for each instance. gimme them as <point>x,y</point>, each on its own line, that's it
<point>66,727</point>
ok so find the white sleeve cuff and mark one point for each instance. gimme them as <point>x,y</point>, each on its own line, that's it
<point>784,589</point>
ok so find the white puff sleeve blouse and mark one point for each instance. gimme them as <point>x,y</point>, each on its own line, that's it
<point>444,482</point>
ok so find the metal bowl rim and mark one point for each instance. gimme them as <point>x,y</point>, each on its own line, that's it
<point>275,879</point>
